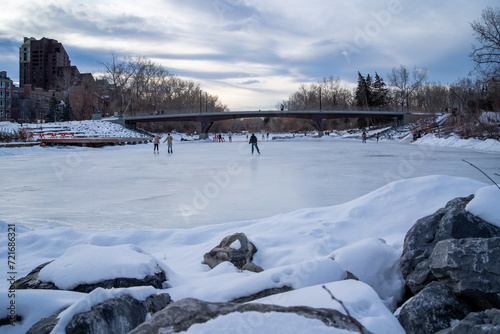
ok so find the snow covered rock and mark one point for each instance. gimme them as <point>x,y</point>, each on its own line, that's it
<point>113,316</point>
<point>193,315</point>
<point>471,268</point>
<point>477,322</point>
<point>31,280</point>
<point>84,268</point>
<point>451,222</point>
<point>236,249</point>
<point>431,310</point>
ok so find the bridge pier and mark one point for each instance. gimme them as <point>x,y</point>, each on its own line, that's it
<point>317,122</point>
<point>205,128</point>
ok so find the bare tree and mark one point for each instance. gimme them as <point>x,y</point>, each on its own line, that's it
<point>118,73</point>
<point>406,83</point>
<point>486,55</point>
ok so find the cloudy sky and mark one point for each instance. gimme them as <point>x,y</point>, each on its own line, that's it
<point>252,53</point>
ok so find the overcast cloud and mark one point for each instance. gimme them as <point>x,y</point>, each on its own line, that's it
<point>253,53</point>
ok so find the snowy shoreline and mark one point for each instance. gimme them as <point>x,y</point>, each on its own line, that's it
<point>366,236</point>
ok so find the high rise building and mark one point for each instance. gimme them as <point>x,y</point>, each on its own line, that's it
<point>42,62</point>
<point>6,91</point>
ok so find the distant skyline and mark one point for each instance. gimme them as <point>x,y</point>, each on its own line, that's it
<point>253,53</point>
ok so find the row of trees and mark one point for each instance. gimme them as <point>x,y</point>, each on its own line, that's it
<point>139,85</point>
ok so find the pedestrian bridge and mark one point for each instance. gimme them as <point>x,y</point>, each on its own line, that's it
<point>208,119</point>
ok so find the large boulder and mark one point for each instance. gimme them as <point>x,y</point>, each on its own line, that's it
<point>450,222</point>
<point>181,315</point>
<point>470,268</point>
<point>114,316</point>
<point>84,268</point>
<point>431,310</point>
<point>477,323</point>
<point>31,281</point>
<point>236,249</point>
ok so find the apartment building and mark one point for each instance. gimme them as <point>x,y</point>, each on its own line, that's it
<point>6,94</point>
<point>42,61</point>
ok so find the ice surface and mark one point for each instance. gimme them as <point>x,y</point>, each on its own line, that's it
<point>206,183</point>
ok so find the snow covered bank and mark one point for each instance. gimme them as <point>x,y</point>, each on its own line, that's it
<point>457,142</point>
<point>295,249</point>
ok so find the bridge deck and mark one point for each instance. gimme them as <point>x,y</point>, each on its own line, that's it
<point>306,114</point>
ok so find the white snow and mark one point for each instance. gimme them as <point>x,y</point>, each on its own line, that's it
<point>370,260</point>
<point>88,264</point>
<point>360,300</point>
<point>456,142</point>
<point>314,207</point>
<point>255,322</point>
<point>486,205</point>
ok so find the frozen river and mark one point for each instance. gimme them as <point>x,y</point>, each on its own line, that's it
<point>208,183</point>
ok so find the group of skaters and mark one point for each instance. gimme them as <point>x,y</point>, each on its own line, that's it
<point>364,135</point>
<point>169,140</point>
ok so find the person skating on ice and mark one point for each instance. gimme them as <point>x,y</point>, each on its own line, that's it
<point>253,141</point>
<point>169,140</point>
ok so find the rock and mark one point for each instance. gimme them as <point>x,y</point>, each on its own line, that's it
<point>155,280</point>
<point>470,268</point>
<point>240,254</point>
<point>262,294</point>
<point>117,315</point>
<point>31,281</point>
<point>450,222</point>
<point>181,315</point>
<point>431,310</point>
<point>250,266</point>
<point>477,323</point>
<point>45,326</point>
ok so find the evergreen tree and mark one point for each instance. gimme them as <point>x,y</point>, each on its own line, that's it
<point>380,92</point>
<point>360,96</point>
<point>66,112</point>
<point>364,93</point>
<point>53,114</point>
